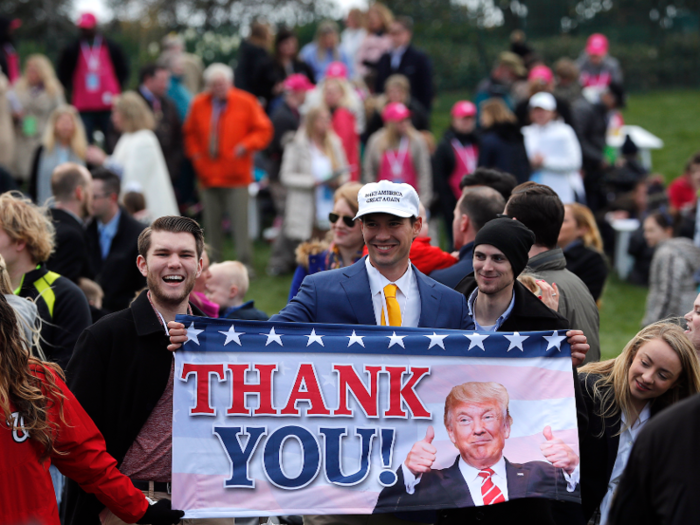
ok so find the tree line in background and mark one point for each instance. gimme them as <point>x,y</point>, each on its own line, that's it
<point>656,41</point>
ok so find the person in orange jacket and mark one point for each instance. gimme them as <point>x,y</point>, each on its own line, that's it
<point>224,129</point>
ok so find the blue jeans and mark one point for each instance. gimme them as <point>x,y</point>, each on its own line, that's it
<point>59,482</point>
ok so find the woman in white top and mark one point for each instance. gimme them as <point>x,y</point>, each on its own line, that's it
<point>313,166</point>
<point>657,368</point>
<point>553,150</point>
<point>137,157</point>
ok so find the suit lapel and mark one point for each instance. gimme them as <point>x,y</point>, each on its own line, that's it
<point>454,484</point>
<point>517,480</point>
<point>356,286</point>
<point>429,299</point>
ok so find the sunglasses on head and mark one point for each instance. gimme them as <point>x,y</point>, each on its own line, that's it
<point>349,221</point>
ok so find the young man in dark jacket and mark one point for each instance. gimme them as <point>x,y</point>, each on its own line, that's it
<point>122,371</point>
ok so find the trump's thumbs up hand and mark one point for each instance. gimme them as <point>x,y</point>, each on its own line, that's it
<point>557,452</point>
<point>422,455</point>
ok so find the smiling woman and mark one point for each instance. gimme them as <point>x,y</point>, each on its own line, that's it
<point>657,368</point>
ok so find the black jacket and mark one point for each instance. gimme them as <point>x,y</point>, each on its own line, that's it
<point>250,56</point>
<point>591,125</point>
<point>118,373</point>
<point>69,60</point>
<point>502,147</point>
<point>63,309</point>
<point>529,313</point>
<point>443,165</point>
<point>118,275</point>
<point>285,122</point>
<point>589,265</point>
<point>247,311</point>
<point>416,66</point>
<point>70,259</point>
<point>269,73</point>
<point>598,447</point>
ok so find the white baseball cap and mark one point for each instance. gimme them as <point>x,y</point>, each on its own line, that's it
<point>388,197</point>
<point>543,100</point>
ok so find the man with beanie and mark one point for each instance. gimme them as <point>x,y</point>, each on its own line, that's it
<point>497,301</point>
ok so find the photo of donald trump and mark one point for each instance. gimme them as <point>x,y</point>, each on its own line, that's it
<point>478,422</point>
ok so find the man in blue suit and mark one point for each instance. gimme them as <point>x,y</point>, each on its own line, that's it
<point>370,291</point>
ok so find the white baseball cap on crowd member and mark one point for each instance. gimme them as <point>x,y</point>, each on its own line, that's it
<point>543,100</point>
<point>388,197</point>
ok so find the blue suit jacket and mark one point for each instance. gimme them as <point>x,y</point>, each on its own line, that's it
<point>343,296</point>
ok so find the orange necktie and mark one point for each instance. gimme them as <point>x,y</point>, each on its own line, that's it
<point>392,305</point>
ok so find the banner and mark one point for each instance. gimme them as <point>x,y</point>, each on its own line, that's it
<point>282,418</point>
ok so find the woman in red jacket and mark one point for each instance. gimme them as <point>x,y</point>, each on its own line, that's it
<point>44,424</point>
<point>338,103</point>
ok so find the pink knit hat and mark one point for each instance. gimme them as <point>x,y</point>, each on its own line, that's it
<point>597,44</point>
<point>541,73</point>
<point>337,70</point>
<point>297,82</point>
<point>463,108</point>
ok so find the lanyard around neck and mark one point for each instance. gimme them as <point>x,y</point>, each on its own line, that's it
<point>396,160</point>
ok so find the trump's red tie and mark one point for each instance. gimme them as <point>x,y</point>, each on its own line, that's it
<point>490,492</point>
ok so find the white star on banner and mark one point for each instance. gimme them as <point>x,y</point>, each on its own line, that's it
<point>272,337</point>
<point>516,341</point>
<point>396,340</point>
<point>313,338</point>
<point>328,380</point>
<point>354,338</point>
<point>193,333</point>
<point>232,335</point>
<point>554,340</point>
<point>436,340</point>
<point>476,340</point>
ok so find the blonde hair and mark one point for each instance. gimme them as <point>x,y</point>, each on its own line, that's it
<point>23,220</point>
<point>612,391</point>
<point>47,75</point>
<point>349,192</point>
<point>5,282</point>
<point>359,16</point>
<point>78,142</point>
<point>384,13</point>
<point>237,274</point>
<point>309,122</point>
<point>399,81</point>
<point>135,113</point>
<point>584,219</point>
<point>476,392</point>
<point>260,34</point>
<point>344,87</point>
<point>92,290</point>
<point>497,111</point>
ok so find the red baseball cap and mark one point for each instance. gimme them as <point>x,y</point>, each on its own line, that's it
<point>542,73</point>
<point>395,112</point>
<point>597,44</point>
<point>87,21</point>
<point>463,108</point>
<point>297,82</point>
<point>337,70</point>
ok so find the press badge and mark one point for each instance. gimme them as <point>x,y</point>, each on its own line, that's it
<point>92,81</point>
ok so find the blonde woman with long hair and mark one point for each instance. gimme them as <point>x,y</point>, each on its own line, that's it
<point>64,140</point>
<point>583,247</point>
<point>313,166</point>
<point>33,98</point>
<point>137,156</point>
<point>399,153</point>
<point>656,369</point>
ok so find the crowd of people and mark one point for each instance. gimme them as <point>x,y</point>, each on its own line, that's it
<point>100,186</point>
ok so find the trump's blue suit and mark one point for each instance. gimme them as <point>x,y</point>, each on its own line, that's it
<point>343,296</point>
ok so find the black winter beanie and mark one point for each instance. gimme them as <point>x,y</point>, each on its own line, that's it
<point>511,237</point>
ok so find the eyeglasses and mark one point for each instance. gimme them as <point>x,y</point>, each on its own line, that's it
<point>349,221</point>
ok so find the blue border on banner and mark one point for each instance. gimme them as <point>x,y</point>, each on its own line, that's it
<point>318,338</point>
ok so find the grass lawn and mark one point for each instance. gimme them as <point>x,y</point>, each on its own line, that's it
<point>671,115</point>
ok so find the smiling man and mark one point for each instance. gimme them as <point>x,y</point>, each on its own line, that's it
<point>478,423</point>
<point>122,372</point>
<point>383,288</point>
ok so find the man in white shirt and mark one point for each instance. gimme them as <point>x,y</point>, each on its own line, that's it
<point>478,423</point>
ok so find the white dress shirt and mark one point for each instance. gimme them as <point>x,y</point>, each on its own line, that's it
<point>396,56</point>
<point>407,294</point>
<point>627,439</point>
